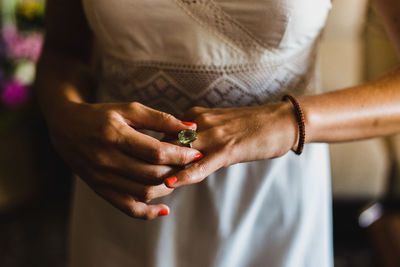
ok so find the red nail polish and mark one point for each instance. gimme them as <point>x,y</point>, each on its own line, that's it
<point>198,157</point>
<point>163,212</point>
<point>171,181</point>
<point>189,123</point>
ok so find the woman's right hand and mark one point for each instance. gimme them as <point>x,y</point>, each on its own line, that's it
<point>127,168</point>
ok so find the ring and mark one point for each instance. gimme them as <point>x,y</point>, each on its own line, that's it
<point>187,137</point>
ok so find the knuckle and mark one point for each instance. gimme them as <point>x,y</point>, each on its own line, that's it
<point>203,119</point>
<point>202,170</point>
<point>166,119</point>
<point>109,130</point>
<point>195,110</point>
<point>134,105</point>
<point>166,116</point>
<point>186,177</point>
<point>130,212</point>
<point>147,194</point>
<point>157,155</point>
<point>110,115</point>
<point>102,160</point>
<point>131,209</point>
<point>185,157</point>
<point>218,132</point>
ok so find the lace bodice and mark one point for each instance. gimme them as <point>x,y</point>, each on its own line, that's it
<point>214,53</point>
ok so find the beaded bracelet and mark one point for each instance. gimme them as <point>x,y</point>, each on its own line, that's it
<point>300,121</point>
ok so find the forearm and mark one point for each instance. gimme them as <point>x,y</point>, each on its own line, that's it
<point>63,74</point>
<point>62,80</point>
<point>359,112</point>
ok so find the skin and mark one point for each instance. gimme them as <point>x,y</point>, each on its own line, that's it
<point>128,169</point>
<point>100,141</point>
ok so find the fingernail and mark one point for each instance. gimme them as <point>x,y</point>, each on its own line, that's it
<point>189,123</point>
<point>198,157</point>
<point>163,212</point>
<point>171,181</point>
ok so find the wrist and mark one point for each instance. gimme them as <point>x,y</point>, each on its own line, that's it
<point>281,117</point>
<point>288,113</point>
<point>64,112</point>
<point>62,87</point>
<point>311,119</point>
<point>298,113</point>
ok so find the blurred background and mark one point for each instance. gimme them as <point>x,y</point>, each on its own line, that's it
<point>35,185</point>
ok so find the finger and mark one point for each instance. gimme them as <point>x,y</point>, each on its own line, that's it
<point>143,117</point>
<point>193,113</point>
<point>199,144</point>
<point>154,151</point>
<point>198,171</point>
<point>202,115</point>
<point>130,206</point>
<point>144,193</point>
<point>135,169</point>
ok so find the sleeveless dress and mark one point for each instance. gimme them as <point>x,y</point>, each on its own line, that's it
<point>175,54</point>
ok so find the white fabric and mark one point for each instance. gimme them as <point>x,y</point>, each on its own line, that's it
<point>173,54</point>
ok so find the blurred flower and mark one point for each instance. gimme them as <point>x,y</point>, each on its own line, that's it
<point>10,34</point>
<point>30,9</point>
<point>25,72</point>
<point>14,94</point>
<point>22,46</point>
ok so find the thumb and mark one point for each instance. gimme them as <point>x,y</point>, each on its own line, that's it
<point>140,116</point>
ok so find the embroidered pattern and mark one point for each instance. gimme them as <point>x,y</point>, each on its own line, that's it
<point>175,88</point>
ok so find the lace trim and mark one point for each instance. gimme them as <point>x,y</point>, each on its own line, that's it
<point>174,89</point>
<point>192,68</point>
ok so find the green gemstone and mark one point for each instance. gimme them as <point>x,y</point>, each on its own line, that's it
<point>187,136</point>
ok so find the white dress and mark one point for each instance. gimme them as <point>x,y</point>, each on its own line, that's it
<point>172,55</point>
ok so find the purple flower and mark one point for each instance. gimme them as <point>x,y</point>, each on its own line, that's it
<point>10,34</point>
<point>22,46</point>
<point>14,94</point>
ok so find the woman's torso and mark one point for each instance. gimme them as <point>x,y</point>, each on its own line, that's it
<point>172,55</point>
<point>209,53</point>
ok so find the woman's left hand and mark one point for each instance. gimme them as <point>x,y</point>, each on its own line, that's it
<point>231,135</point>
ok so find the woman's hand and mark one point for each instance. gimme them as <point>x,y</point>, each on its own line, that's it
<point>231,135</point>
<point>124,166</point>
